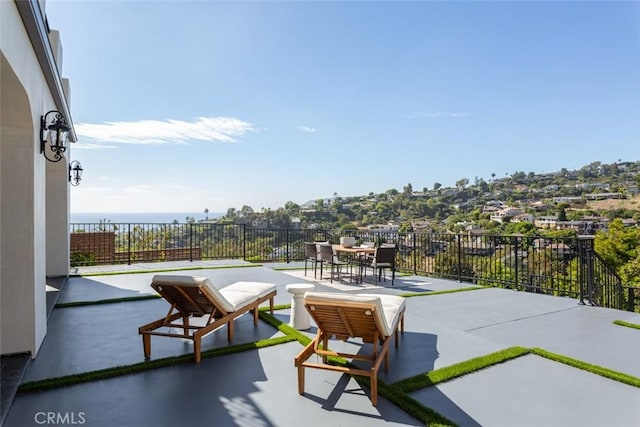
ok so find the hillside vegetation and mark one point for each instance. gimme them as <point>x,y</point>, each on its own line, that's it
<point>566,195</point>
<point>631,203</point>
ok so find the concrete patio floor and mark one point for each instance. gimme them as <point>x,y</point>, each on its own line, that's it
<point>259,387</point>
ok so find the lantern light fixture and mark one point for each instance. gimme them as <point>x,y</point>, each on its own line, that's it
<point>75,173</point>
<point>55,130</point>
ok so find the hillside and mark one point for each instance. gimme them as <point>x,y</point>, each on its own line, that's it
<point>632,203</point>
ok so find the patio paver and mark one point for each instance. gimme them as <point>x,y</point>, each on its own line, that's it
<point>259,387</point>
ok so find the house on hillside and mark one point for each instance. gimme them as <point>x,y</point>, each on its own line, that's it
<point>523,217</point>
<point>546,222</point>
<point>567,199</point>
<point>505,214</point>
<point>540,206</point>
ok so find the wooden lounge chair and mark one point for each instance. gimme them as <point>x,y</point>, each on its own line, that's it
<point>192,296</point>
<point>373,318</point>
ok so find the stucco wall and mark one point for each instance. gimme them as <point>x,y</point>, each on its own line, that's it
<point>23,196</point>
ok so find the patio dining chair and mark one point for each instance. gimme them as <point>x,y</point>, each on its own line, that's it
<point>384,258</point>
<point>371,318</point>
<point>311,255</point>
<point>192,297</point>
<point>329,257</point>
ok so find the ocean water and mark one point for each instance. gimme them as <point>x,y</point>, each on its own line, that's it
<point>149,217</point>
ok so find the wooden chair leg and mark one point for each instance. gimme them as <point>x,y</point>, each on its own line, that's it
<point>300,379</point>
<point>230,330</point>
<point>197,346</point>
<point>185,324</point>
<point>374,387</point>
<point>146,345</point>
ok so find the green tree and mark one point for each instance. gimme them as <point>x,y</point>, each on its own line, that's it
<point>619,245</point>
<point>349,227</point>
<point>562,214</point>
<point>461,183</point>
<point>630,272</point>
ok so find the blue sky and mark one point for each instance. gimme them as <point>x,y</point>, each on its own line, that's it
<point>182,106</point>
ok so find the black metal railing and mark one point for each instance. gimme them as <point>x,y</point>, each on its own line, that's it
<point>553,266</point>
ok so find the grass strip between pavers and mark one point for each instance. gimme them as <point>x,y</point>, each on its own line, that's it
<point>283,327</point>
<point>68,380</point>
<point>447,373</point>
<point>105,301</point>
<point>162,270</point>
<point>594,369</point>
<point>448,291</point>
<point>627,324</point>
<point>275,307</point>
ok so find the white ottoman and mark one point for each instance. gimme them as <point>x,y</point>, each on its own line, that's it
<point>300,319</point>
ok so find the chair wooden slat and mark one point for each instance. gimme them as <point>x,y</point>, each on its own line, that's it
<point>348,319</point>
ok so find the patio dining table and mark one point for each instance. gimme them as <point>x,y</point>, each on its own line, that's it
<point>353,254</point>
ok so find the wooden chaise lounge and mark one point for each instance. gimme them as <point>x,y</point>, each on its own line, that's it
<point>373,318</point>
<point>193,296</point>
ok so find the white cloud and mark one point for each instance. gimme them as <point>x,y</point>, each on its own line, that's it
<point>435,114</point>
<point>307,129</point>
<point>92,146</point>
<point>218,129</point>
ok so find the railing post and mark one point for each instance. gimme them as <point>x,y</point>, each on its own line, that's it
<point>515,257</point>
<point>191,242</point>
<point>581,269</point>
<point>415,254</point>
<point>129,243</point>
<point>287,246</point>
<point>244,242</point>
<point>459,257</point>
<point>586,259</point>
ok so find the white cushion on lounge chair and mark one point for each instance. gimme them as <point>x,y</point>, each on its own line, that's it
<point>255,288</point>
<point>234,300</point>
<point>197,281</point>
<point>392,306</point>
<point>159,279</point>
<point>230,297</point>
<point>387,307</point>
<point>242,293</point>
